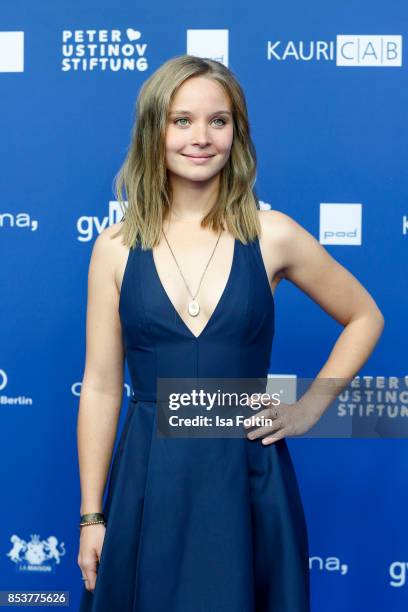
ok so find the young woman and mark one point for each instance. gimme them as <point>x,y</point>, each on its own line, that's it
<point>183,286</point>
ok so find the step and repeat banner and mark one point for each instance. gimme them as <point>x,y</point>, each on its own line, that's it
<point>326,87</point>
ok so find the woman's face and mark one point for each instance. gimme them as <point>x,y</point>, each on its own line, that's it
<point>199,131</point>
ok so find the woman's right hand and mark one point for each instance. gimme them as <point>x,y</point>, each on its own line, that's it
<point>90,548</point>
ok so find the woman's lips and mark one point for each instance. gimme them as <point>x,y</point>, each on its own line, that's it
<point>198,160</point>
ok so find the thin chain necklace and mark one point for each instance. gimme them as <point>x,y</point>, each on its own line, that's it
<point>193,305</point>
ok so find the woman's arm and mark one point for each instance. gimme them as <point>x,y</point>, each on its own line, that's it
<point>307,264</point>
<point>102,384</point>
<point>310,267</point>
<point>343,297</point>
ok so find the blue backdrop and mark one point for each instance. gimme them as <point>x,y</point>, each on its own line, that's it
<point>326,87</point>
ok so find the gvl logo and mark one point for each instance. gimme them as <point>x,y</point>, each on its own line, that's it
<point>11,51</point>
<point>89,226</point>
<point>340,223</point>
<point>212,44</point>
<point>348,50</point>
<point>398,573</point>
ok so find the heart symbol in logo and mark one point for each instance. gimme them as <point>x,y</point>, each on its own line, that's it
<point>133,34</point>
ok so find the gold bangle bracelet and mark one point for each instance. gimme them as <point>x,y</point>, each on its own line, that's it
<point>92,523</point>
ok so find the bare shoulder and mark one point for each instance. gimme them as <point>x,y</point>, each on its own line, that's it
<point>279,232</point>
<point>110,254</point>
<point>277,225</point>
<point>305,262</point>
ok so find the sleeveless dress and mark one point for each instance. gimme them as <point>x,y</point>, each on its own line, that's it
<point>199,524</point>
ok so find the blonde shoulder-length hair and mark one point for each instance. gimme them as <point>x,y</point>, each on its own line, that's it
<point>143,175</point>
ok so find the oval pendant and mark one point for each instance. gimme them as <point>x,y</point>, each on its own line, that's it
<point>193,308</point>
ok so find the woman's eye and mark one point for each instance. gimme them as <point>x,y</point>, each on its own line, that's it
<point>181,119</point>
<point>176,121</point>
<point>219,119</point>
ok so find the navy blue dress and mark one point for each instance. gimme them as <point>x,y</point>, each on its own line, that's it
<point>199,524</point>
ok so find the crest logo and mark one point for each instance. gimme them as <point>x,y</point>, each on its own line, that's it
<point>36,555</point>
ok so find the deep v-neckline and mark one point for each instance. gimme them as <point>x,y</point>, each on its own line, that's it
<point>217,306</point>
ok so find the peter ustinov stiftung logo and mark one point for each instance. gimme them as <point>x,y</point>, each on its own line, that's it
<point>36,555</point>
<point>103,50</point>
<point>348,50</point>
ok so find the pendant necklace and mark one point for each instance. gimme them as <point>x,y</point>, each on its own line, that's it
<point>193,305</point>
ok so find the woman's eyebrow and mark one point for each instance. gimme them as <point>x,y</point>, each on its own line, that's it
<point>186,112</point>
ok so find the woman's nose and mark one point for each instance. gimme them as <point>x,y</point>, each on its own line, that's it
<point>200,134</point>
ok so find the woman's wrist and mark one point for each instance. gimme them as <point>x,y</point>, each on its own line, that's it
<point>89,507</point>
<point>92,518</point>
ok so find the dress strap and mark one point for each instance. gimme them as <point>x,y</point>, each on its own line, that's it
<point>256,249</point>
<point>258,253</point>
